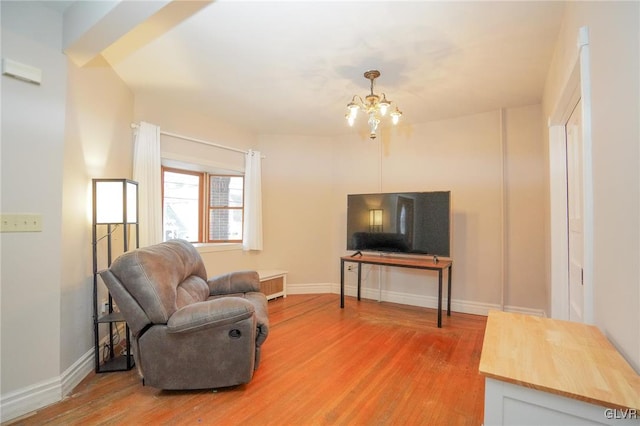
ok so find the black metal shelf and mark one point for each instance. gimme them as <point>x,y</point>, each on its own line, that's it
<point>112,317</point>
<point>118,363</point>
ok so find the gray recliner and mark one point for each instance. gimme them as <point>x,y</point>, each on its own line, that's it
<point>188,331</point>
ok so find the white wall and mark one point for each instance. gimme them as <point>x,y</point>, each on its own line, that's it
<point>296,183</point>
<point>463,155</point>
<point>297,209</point>
<point>526,201</point>
<point>55,138</point>
<point>32,169</point>
<point>306,180</point>
<point>98,143</point>
<point>191,122</point>
<point>614,49</point>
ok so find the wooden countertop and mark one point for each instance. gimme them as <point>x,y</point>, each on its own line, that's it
<point>561,357</point>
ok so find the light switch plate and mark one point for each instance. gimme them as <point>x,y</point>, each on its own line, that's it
<point>21,223</point>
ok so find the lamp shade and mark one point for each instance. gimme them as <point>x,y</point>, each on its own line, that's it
<point>115,201</point>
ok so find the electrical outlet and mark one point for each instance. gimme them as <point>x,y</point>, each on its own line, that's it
<point>104,307</point>
<point>350,268</point>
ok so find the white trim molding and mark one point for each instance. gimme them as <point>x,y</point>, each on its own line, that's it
<point>34,397</point>
<point>39,395</point>
<point>576,88</point>
<point>457,305</point>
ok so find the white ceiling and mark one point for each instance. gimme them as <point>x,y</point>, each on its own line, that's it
<point>283,67</point>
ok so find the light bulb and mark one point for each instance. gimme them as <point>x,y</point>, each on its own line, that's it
<point>395,116</point>
<point>353,109</point>
<point>384,105</point>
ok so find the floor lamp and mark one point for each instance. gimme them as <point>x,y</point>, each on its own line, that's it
<point>115,216</point>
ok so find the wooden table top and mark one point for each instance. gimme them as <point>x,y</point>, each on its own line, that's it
<point>425,262</point>
<point>561,357</point>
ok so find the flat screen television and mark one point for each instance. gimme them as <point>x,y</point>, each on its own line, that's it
<point>400,222</point>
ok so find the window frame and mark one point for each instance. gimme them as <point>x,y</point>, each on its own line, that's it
<point>204,207</point>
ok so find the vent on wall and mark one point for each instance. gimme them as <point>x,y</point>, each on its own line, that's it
<point>22,72</point>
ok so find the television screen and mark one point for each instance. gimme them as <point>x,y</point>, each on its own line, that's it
<point>402,222</point>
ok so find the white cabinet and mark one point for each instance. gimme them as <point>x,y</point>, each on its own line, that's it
<point>510,404</point>
<point>540,371</point>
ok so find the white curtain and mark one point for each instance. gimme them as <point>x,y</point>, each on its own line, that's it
<point>146,171</point>
<point>252,232</point>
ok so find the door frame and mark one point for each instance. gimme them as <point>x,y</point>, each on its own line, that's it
<point>577,87</point>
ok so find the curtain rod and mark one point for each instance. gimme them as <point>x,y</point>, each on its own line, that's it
<point>187,138</point>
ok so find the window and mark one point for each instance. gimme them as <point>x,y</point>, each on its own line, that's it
<point>225,207</point>
<point>202,207</point>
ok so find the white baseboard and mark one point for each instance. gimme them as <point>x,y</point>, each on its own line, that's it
<point>77,372</point>
<point>457,305</point>
<point>311,288</point>
<point>39,395</point>
<point>30,398</point>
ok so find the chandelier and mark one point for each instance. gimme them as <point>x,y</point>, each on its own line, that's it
<point>373,106</point>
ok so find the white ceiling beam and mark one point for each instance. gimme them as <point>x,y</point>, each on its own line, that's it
<point>93,27</point>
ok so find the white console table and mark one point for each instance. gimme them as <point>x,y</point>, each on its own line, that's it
<point>540,371</point>
<point>273,283</point>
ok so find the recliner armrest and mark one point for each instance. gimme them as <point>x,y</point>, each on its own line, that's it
<point>210,313</point>
<point>234,282</point>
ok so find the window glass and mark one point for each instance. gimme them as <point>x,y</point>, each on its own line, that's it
<point>226,200</point>
<point>181,205</point>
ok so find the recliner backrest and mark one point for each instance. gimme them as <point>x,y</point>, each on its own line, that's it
<point>163,278</point>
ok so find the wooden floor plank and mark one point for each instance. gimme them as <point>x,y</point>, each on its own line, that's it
<point>367,364</point>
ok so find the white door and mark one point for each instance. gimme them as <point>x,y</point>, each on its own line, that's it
<point>575,214</point>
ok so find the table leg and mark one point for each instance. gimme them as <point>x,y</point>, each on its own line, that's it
<point>359,276</point>
<point>341,283</point>
<point>439,298</point>
<point>449,292</point>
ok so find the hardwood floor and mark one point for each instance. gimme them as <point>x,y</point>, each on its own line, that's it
<point>368,364</point>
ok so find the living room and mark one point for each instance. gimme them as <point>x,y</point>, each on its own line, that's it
<point>76,126</point>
